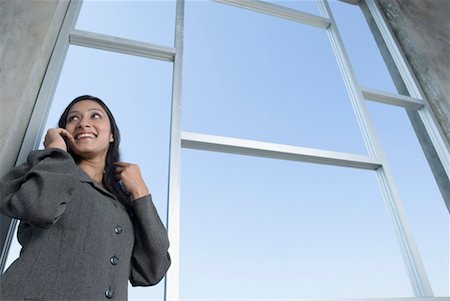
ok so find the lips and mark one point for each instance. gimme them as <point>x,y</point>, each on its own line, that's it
<point>85,135</point>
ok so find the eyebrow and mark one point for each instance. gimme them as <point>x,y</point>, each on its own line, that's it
<point>93,109</point>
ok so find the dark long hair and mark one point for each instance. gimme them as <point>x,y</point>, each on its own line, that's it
<point>109,178</point>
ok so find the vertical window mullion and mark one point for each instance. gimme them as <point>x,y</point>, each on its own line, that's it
<point>416,272</point>
<point>173,203</point>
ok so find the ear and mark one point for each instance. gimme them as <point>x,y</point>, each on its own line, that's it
<point>111,138</point>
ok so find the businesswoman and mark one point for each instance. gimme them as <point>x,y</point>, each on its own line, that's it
<point>87,220</point>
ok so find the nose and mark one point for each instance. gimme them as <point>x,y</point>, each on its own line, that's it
<point>84,122</point>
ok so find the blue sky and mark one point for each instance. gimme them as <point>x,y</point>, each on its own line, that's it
<point>255,228</point>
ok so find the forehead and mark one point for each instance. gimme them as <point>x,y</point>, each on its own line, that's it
<point>86,105</point>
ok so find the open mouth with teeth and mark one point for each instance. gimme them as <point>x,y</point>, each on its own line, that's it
<point>85,135</point>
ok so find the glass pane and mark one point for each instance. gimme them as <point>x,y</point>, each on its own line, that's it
<point>367,62</point>
<point>138,92</point>
<point>261,229</point>
<point>147,21</point>
<point>424,206</point>
<point>252,76</point>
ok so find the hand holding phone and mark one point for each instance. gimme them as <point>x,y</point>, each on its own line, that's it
<point>57,138</point>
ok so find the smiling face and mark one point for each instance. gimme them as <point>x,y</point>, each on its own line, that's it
<point>90,126</point>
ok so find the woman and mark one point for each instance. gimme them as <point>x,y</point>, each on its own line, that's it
<point>88,223</point>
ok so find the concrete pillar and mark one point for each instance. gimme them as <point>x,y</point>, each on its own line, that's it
<point>28,32</point>
<point>422,30</point>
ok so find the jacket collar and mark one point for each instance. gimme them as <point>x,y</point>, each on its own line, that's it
<point>87,179</point>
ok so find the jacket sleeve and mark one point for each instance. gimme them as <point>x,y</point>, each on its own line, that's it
<point>150,259</point>
<point>37,191</point>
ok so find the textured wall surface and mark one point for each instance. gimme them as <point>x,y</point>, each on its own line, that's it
<point>28,31</point>
<point>422,28</point>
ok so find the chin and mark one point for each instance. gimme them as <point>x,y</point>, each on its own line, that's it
<point>88,154</point>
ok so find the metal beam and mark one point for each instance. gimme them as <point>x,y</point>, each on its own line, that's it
<point>172,281</point>
<point>280,11</point>
<point>121,45</point>
<point>354,2</point>
<point>393,99</point>
<point>275,151</point>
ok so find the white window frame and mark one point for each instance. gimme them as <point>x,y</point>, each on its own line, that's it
<point>178,139</point>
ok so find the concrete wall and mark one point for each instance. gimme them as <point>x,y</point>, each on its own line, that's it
<point>28,32</point>
<point>422,28</point>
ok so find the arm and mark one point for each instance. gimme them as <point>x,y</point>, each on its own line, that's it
<point>150,259</point>
<point>37,191</point>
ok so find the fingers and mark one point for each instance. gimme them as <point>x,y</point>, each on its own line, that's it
<point>123,164</point>
<point>130,176</point>
<point>55,138</point>
<point>121,167</point>
<point>65,134</point>
<point>52,134</point>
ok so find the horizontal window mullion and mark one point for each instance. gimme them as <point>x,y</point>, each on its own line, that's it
<point>121,45</point>
<point>280,11</point>
<point>275,151</point>
<point>393,99</point>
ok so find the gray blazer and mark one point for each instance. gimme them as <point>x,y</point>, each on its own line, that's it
<point>78,241</point>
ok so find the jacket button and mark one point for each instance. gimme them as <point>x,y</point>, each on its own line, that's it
<point>118,229</point>
<point>114,260</point>
<point>109,293</point>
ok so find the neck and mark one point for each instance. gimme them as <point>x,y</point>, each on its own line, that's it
<point>93,168</point>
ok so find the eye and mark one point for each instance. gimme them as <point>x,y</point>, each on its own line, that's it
<point>73,118</point>
<point>96,116</point>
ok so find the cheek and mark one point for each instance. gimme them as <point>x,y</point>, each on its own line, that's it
<point>69,128</point>
<point>105,128</point>
<point>108,128</point>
